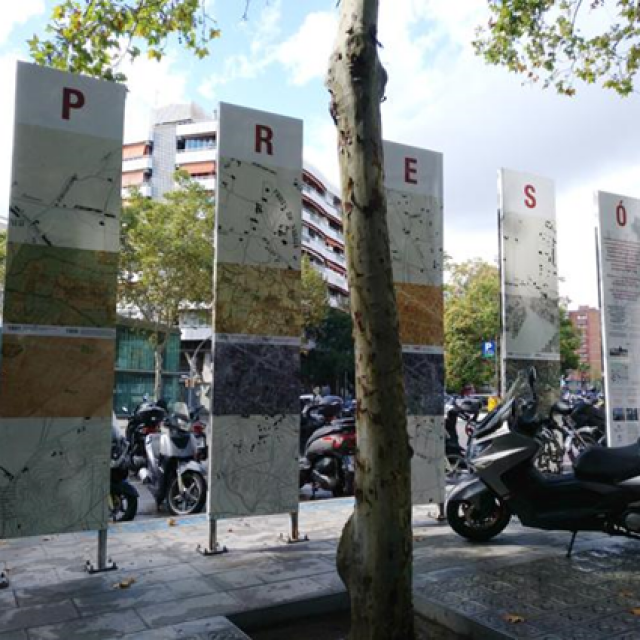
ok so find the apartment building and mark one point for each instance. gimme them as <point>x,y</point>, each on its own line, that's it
<point>185,137</point>
<point>587,321</point>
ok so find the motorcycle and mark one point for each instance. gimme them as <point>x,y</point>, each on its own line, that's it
<point>173,474</point>
<point>456,457</point>
<point>123,497</point>
<point>145,419</point>
<point>602,493</point>
<point>317,414</point>
<point>329,458</point>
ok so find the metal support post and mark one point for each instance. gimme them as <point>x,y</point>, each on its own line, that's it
<point>295,530</point>
<point>573,539</point>
<point>214,548</point>
<point>104,563</point>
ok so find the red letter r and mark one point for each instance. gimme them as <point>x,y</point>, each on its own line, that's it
<point>264,134</point>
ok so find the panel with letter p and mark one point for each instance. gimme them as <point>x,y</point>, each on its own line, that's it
<point>58,346</point>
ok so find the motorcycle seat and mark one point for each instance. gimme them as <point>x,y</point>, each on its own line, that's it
<point>599,464</point>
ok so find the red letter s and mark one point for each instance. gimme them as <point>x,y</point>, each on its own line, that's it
<point>530,201</point>
<point>71,99</point>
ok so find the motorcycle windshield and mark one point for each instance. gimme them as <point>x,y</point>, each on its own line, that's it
<point>518,389</point>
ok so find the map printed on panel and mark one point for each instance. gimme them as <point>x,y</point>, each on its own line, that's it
<point>58,343</point>
<point>529,281</point>
<point>619,248</point>
<point>414,205</point>
<point>257,319</point>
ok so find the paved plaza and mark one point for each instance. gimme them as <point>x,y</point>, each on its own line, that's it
<point>520,586</point>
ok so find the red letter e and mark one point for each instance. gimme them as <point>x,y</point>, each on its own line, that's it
<point>410,170</point>
<point>71,99</point>
<point>530,201</point>
<point>264,135</point>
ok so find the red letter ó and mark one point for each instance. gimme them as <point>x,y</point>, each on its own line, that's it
<point>264,134</point>
<point>410,170</point>
<point>530,200</point>
<point>71,99</point>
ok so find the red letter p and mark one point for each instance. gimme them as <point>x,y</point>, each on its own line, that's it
<point>71,99</point>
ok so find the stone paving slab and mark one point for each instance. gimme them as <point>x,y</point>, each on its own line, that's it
<point>177,593</point>
<point>595,594</point>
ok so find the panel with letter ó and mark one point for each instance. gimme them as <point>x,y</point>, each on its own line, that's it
<point>619,245</point>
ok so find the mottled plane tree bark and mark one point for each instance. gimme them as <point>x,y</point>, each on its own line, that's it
<point>375,551</point>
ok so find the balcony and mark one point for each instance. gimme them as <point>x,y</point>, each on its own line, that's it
<point>144,188</point>
<point>336,279</point>
<point>196,128</point>
<point>208,183</point>
<point>137,164</point>
<point>196,155</point>
<point>325,203</point>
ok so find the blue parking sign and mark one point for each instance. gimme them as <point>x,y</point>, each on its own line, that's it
<point>489,349</point>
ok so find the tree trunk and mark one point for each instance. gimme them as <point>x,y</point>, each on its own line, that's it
<point>375,551</point>
<point>161,344</point>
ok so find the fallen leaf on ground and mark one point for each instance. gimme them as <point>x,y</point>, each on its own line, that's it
<point>171,522</point>
<point>124,584</point>
<point>626,594</point>
<point>636,611</point>
<point>513,618</point>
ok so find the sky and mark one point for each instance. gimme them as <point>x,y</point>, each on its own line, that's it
<point>439,96</point>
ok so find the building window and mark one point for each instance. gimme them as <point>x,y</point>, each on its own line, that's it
<point>195,144</point>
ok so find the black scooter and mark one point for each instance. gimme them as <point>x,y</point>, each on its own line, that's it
<point>123,497</point>
<point>329,458</point>
<point>602,494</point>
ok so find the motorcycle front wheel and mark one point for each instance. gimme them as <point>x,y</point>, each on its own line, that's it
<point>479,521</point>
<point>192,499</point>
<point>123,507</point>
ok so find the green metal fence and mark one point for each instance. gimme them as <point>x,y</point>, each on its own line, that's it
<point>135,364</point>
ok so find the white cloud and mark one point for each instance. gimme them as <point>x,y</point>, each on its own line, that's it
<point>260,37</point>
<point>15,13</point>
<point>306,53</point>
<point>151,84</point>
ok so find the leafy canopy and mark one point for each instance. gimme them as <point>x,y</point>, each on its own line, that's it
<point>93,37</point>
<point>314,298</point>
<point>559,41</point>
<point>570,340</point>
<point>166,256</point>
<point>471,316</point>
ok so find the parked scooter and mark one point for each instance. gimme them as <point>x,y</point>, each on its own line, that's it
<point>123,497</point>
<point>467,409</point>
<point>173,474</point>
<point>315,415</point>
<point>603,493</point>
<point>145,419</point>
<point>329,458</point>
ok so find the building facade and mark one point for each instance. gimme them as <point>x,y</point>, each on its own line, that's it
<point>587,321</point>
<point>185,137</point>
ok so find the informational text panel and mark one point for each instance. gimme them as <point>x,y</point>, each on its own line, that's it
<point>529,274</point>
<point>414,205</point>
<point>257,318</point>
<point>619,247</point>
<point>58,342</point>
